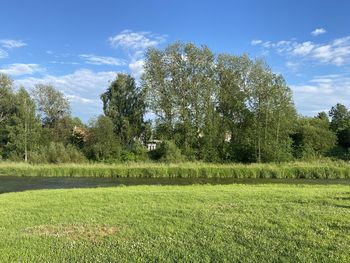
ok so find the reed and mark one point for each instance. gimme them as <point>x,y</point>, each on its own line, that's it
<point>313,170</point>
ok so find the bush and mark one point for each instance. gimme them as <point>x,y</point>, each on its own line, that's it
<point>136,153</point>
<point>167,152</point>
<point>57,153</point>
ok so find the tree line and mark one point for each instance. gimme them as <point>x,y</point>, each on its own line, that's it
<point>197,105</point>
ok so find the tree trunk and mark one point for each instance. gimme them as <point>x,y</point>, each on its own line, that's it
<point>25,132</point>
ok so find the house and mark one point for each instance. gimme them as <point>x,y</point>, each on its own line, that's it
<point>227,138</point>
<point>152,144</point>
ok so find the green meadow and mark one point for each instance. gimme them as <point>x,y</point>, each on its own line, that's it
<point>265,222</point>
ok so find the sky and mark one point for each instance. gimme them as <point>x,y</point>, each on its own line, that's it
<point>79,46</point>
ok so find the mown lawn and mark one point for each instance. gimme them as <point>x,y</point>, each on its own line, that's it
<point>196,223</point>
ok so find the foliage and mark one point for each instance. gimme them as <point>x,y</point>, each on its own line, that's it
<point>313,138</point>
<point>199,98</point>
<point>340,117</point>
<point>62,129</point>
<point>103,144</point>
<point>340,124</point>
<point>136,152</point>
<point>52,105</point>
<point>57,153</point>
<point>23,128</point>
<point>7,108</point>
<point>123,103</point>
<point>168,152</point>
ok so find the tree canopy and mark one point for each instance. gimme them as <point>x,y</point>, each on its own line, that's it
<point>194,104</point>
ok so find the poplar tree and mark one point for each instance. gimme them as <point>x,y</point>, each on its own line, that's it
<point>23,128</point>
<point>123,103</point>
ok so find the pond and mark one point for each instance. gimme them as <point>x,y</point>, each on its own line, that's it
<point>16,183</point>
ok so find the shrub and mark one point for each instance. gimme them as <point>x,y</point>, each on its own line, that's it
<point>136,153</point>
<point>167,152</point>
<point>57,153</point>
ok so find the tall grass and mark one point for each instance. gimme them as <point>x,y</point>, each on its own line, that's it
<point>314,170</point>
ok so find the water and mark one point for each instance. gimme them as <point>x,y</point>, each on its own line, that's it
<point>16,184</point>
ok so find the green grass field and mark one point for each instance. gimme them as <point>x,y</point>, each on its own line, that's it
<point>195,223</point>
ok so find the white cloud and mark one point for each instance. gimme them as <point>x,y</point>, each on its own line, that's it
<point>136,43</point>
<point>336,52</point>
<point>83,87</point>
<point>136,68</point>
<point>80,82</point>
<point>321,92</point>
<point>18,69</point>
<point>78,99</point>
<point>303,49</point>
<point>64,62</point>
<point>7,44</point>
<point>11,43</point>
<point>128,39</point>
<point>98,60</point>
<point>318,31</point>
<point>256,42</point>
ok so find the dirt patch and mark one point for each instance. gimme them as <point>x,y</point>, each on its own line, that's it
<point>73,232</point>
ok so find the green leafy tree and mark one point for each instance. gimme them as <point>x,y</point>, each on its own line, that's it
<point>103,145</point>
<point>123,103</point>
<point>63,129</point>
<point>23,128</point>
<point>236,119</point>
<point>7,109</point>
<point>323,116</point>
<point>7,98</point>
<point>313,138</point>
<point>156,81</point>
<point>51,104</point>
<point>180,85</point>
<point>270,102</point>
<point>198,99</point>
<point>340,117</point>
<point>340,124</point>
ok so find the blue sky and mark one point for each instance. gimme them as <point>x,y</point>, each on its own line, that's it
<point>78,46</point>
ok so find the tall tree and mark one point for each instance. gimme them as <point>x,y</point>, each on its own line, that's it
<point>236,119</point>
<point>180,84</point>
<point>156,81</point>
<point>340,124</point>
<point>200,100</point>
<point>340,117</point>
<point>23,128</point>
<point>124,104</point>
<point>102,142</point>
<point>7,98</point>
<point>271,104</point>
<point>7,108</point>
<point>52,105</point>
